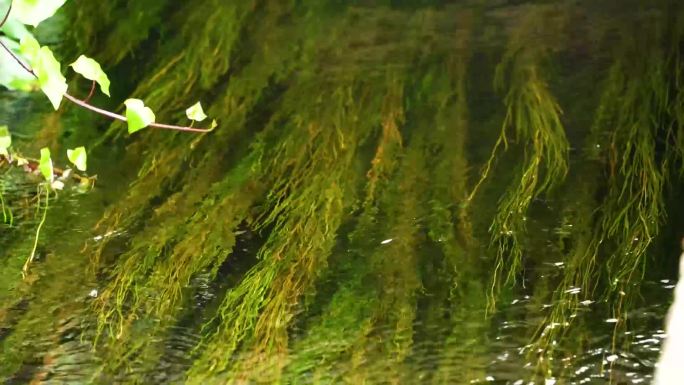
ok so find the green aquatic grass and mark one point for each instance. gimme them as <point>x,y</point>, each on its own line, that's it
<point>164,168</point>
<point>7,215</point>
<point>456,302</point>
<point>613,238</point>
<point>533,120</point>
<point>330,142</point>
<point>535,116</point>
<point>315,159</point>
<point>398,277</point>
<point>629,120</point>
<point>353,302</point>
<point>42,318</point>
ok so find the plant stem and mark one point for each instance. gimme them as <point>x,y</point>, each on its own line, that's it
<point>85,104</point>
<point>90,94</point>
<point>24,270</point>
<point>4,19</point>
<point>6,210</point>
<point>33,164</point>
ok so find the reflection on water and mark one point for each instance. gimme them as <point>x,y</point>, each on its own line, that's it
<point>401,192</point>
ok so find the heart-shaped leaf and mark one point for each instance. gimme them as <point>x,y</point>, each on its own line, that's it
<point>50,77</point>
<point>29,48</point>
<point>5,140</point>
<point>91,70</point>
<point>32,12</point>
<point>45,165</point>
<point>5,137</point>
<point>78,157</point>
<point>47,68</point>
<point>138,115</point>
<point>12,28</point>
<point>196,112</point>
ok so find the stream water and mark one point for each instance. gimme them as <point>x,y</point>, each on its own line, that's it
<point>42,318</point>
<point>384,298</point>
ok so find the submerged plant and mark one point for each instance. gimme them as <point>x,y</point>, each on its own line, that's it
<point>533,118</point>
<point>365,189</point>
<point>613,230</point>
<point>45,73</point>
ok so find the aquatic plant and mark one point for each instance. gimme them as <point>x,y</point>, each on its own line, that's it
<point>372,200</point>
<point>533,117</point>
<point>614,229</point>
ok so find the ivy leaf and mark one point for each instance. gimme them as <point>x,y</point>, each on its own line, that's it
<point>214,124</point>
<point>138,115</point>
<point>78,157</point>
<point>196,112</point>
<point>50,77</point>
<point>32,12</point>
<point>45,165</point>
<point>47,68</point>
<point>12,28</point>
<point>91,70</point>
<point>5,140</point>
<point>57,185</point>
<point>29,48</point>
<point>5,137</point>
<point>20,161</point>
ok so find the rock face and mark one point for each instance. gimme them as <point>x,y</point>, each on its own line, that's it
<point>670,370</point>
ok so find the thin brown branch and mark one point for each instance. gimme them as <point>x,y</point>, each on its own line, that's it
<point>21,63</point>
<point>32,165</point>
<point>122,118</point>
<point>4,19</point>
<point>90,94</point>
<point>103,112</point>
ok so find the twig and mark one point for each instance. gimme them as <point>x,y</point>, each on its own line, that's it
<point>90,94</point>
<point>33,165</point>
<point>4,19</point>
<point>85,104</point>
